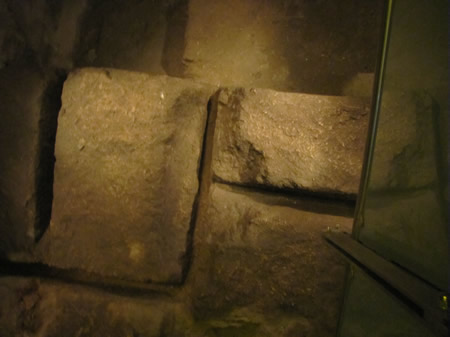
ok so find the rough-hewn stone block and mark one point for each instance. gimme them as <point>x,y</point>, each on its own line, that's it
<point>128,148</point>
<point>37,308</point>
<point>267,251</point>
<point>292,45</point>
<point>287,140</point>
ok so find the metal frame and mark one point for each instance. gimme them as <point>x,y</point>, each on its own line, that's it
<point>409,289</point>
<point>374,117</point>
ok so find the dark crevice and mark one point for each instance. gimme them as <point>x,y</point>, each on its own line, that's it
<point>79,277</point>
<point>174,45</point>
<point>308,201</point>
<point>204,176</point>
<point>46,155</point>
<point>344,197</point>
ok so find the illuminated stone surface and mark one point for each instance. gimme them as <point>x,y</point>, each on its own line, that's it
<point>47,309</point>
<point>286,140</point>
<point>257,250</point>
<point>127,153</point>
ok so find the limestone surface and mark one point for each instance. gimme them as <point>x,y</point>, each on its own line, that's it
<point>35,308</point>
<point>128,149</point>
<point>266,253</point>
<point>291,45</point>
<point>290,141</point>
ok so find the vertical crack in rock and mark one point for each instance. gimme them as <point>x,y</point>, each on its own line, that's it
<point>46,155</point>
<point>255,161</point>
<point>205,179</point>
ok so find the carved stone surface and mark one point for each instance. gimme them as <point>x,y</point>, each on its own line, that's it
<point>42,308</point>
<point>292,45</point>
<point>128,150</point>
<point>257,250</point>
<point>286,140</point>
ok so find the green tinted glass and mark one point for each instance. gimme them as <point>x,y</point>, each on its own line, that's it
<point>405,210</point>
<point>371,311</point>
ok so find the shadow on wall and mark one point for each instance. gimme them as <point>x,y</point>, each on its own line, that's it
<point>144,36</point>
<point>290,45</point>
<point>329,43</point>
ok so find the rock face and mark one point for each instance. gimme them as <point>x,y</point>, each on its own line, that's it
<point>409,149</point>
<point>292,45</point>
<point>266,253</point>
<point>127,152</point>
<point>45,309</point>
<point>42,29</point>
<point>147,45</point>
<point>285,140</point>
<point>29,111</point>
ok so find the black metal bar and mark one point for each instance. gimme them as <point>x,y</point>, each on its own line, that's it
<point>411,288</point>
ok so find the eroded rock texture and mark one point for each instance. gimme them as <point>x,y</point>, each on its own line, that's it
<point>48,30</point>
<point>32,307</point>
<point>290,45</point>
<point>128,149</point>
<point>286,140</point>
<point>265,254</point>
<point>152,41</point>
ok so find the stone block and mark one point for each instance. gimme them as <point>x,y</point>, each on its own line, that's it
<point>292,45</point>
<point>410,146</point>
<point>254,250</point>
<point>128,150</point>
<point>31,307</point>
<point>290,141</point>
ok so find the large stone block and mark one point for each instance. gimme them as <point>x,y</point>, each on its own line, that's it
<point>30,103</point>
<point>254,250</point>
<point>128,148</point>
<point>291,45</point>
<point>410,228</point>
<point>30,307</point>
<point>287,140</point>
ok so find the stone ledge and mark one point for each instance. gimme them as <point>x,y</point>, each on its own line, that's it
<point>254,250</point>
<point>290,141</point>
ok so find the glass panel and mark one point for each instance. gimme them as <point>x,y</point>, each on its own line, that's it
<point>405,213</point>
<point>370,311</point>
